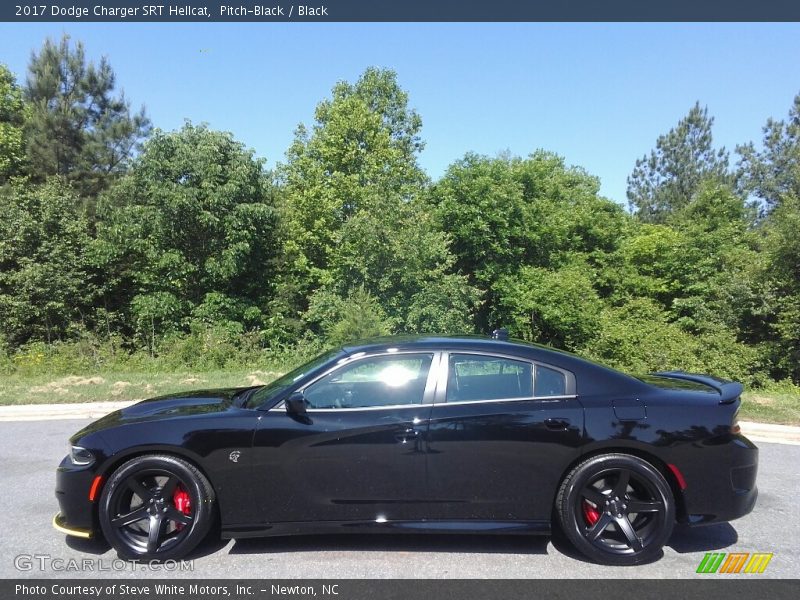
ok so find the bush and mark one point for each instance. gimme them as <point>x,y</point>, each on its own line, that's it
<point>210,347</point>
<point>342,320</point>
<point>638,338</point>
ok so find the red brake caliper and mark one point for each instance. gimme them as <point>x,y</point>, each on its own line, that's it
<point>590,513</point>
<point>182,502</point>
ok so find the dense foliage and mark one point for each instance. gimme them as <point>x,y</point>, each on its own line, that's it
<point>119,240</point>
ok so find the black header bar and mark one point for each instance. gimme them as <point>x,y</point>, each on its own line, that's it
<point>399,10</point>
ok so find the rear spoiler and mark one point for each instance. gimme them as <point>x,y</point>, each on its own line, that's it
<point>729,391</point>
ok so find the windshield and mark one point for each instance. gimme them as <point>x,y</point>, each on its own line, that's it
<point>283,382</point>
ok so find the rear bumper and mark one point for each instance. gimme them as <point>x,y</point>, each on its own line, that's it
<point>726,492</point>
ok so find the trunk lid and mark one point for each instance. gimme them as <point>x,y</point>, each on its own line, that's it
<point>729,391</point>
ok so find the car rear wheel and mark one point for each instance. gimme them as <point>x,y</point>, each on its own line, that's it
<point>156,507</point>
<point>616,509</point>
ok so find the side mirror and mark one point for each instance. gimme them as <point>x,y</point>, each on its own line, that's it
<point>296,404</point>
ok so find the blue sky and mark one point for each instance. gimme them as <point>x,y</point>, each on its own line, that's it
<point>598,94</point>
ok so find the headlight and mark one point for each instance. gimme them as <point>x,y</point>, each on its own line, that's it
<point>80,456</point>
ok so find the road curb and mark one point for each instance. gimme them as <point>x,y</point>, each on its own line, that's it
<point>52,412</point>
<point>758,432</point>
<point>769,432</point>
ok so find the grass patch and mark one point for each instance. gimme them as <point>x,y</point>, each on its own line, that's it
<point>119,385</point>
<point>780,406</point>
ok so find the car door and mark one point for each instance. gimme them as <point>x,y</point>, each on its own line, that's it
<point>501,433</point>
<point>356,454</point>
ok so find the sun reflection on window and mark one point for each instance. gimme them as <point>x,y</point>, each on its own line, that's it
<point>396,376</point>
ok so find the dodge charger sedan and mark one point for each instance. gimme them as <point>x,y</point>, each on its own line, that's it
<point>422,434</point>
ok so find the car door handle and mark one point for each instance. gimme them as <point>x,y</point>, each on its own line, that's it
<point>405,435</point>
<point>557,424</point>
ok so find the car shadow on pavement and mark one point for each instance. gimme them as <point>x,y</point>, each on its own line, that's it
<point>376,542</point>
<point>702,539</point>
<point>684,540</point>
<point>96,545</point>
<point>99,546</point>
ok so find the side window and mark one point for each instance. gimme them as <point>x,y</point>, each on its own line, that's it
<point>549,382</point>
<point>472,377</point>
<point>371,382</point>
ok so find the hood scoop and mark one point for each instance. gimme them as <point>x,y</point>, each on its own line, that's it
<point>172,406</point>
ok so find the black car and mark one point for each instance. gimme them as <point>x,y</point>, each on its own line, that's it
<point>422,434</point>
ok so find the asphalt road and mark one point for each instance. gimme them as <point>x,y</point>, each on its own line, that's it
<point>30,451</point>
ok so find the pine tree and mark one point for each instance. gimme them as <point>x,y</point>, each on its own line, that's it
<point>77,128</point>
<point>773,173</point>
<point>682,159</point>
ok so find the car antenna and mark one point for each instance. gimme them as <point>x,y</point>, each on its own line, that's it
<point>500,334</point>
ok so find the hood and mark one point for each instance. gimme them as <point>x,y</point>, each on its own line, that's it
<point>173,406</point>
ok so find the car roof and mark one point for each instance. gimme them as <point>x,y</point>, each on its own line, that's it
<point>602,377</point>
<point>451,342</point>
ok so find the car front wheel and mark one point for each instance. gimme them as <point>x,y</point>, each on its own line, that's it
<point>156,507</point>
<point>616,509</point>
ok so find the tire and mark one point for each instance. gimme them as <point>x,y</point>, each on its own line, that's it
<point>156,507</point>
<point>616,509</point>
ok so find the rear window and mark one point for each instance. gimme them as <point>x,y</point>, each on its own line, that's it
<point>549,382</point>
<point>473,377</point>
<point>668,383</point>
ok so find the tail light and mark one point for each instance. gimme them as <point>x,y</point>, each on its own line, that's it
<point>735,429</point>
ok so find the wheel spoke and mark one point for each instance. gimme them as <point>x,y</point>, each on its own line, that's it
<point>638,506</point>
<point>173,514</point>
<point>132,517</point>
<point>627,529</point>
<point>595,530</point>
<point>622,483</point>
<point>139,489</point>
<point>594,495</point>
<point>169,486</point>
<point>156,523</point>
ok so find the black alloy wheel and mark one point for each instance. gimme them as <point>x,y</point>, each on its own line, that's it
<point>616,509</point>
<point>156,507</point>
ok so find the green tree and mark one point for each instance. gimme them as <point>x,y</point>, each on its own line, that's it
<point>363,145</point>
<point>190,233</point>
<point>774,171</point>
<point>667,179</point>
<point>720,285</point>
<point>76,127</point>
<point>352,187</point>
<point>503,213</point>
<point>44,294</point>
<point>558,307</point>
<point>782,249</point>
<point>482,207</point>
<point>395,252</point>
<point>701,265</point>
<point>12,143</point>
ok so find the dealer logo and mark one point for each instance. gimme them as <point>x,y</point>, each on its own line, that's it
<point>736,562</point>
<point>234,456</point>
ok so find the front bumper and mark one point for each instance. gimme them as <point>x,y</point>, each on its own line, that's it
<point>76,511</point>
<point>60,524</point>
